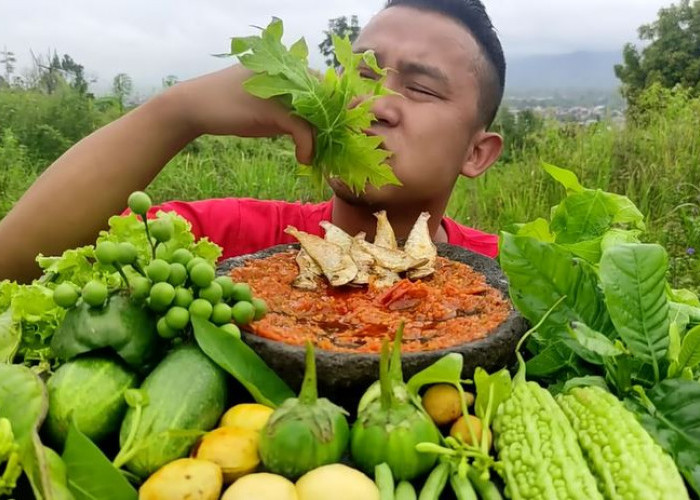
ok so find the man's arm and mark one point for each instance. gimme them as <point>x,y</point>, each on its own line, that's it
<point>72,200</point>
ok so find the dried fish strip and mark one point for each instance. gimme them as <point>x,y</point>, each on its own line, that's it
<point>384,236</point>
<point>363,259</point>
<point>336,264</point>
<point>419,245</point>
<point>336,235</point>
<point>308,272</point>
<point>393,260</point>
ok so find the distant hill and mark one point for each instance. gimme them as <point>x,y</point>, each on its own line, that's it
<point>573,71</point>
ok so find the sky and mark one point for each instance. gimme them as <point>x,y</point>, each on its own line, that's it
<point>149,39</point>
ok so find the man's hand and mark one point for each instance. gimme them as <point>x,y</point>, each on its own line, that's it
<point>72,200</point>
<point>218,104</point>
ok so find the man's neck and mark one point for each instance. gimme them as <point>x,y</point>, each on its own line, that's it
<point>354,219</point>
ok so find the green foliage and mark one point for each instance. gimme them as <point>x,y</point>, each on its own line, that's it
<point>340,27</point>
<point>669,56</point>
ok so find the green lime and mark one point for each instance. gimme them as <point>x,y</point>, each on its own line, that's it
<point>201,308</point>
<point>161,229</point>
<point>260,307</point>
<point>243,312</point>
<point>181,256</point>
<point>158,270</point>
<point>106,252</point>
<point>126,253</point>
<point>178,274</point>
<point>65,295</point>
<point>164,329</point>
<point>226,284</point>
<point>212,292</point>
<point>139,202</point>
<point>95,293</point>
<point>242,291</point>
<point>162,295</point>
<point>183,297</point>
<point>202,274</point>
<point>231,329</point>
<point>177,318</point>
<point>221,314</point>
<point>140,287</point>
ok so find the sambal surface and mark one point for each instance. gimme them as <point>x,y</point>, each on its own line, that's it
<point>453,306</point>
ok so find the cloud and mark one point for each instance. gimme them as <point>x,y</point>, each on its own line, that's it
<point>151,39</point>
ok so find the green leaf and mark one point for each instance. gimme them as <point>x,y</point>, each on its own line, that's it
<point>555,356</point>
<point>674,343</point>
<point>633,278</point>
<point>541,273</point>
<point>491,391</point>
<point>670,412</point>
<point>589,214</point>
<point>91,476</point>
<point>684,296</point>
<point>565,177</point>
<point>689,355</point>
<point>24,402</point>
<point>10,337</point>
<point>447,369</point>
<point>538,229</point>
<point>234,356</point>
<point>341,147</point>
<point>585,382</point>
<point>594,341</point>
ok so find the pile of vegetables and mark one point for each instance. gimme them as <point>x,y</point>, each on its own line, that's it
<point>122,367</point>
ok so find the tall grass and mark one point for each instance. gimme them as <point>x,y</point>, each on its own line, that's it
<point>654,160</point>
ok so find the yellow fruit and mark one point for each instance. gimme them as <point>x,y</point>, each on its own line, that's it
<point>460,428</point>
<point>247,416</point>
<point>183,479</point>
<point>234,449</point>
<point>441,401</point>
<point>261,486</point>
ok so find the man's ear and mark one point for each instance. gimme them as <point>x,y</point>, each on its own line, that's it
<point>485,151</point>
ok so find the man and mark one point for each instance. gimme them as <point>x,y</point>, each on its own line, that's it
<point>447,64</point>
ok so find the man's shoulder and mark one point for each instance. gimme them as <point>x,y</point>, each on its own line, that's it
<point>470,238</point>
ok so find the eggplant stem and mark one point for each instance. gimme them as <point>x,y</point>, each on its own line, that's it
<point>386,394</point>
<point>309,391</point>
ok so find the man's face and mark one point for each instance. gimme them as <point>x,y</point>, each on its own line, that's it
<point>430,127</point>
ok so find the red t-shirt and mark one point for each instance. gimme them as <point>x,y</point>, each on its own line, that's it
<point>246,225</point>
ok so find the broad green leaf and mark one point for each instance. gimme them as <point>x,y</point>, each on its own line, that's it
<point>91,476</point>
<point>594,341</point>
<point>633,278</point>
<point>588,250</point>
<point>540,273</point>
<point>671,414</point>
<point>565,177</point>
<point>491,391</point>
<point>538,229</point>
<point>555,356</point>
<point>689,355</point>
<point>683,296</point>
<point>692,312</point>
<point>24,402</point>
<point>243,363</point>
<point>589,214</point>
<point>447,369</point>
<point>58,475</point>
<point>674,343</point>
<point>618,237</point>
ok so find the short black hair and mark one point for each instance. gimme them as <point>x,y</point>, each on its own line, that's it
<point>472,15</point>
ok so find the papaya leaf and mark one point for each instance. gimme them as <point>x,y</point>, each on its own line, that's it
<point>242,362</point>
<point>633,278</point>
<point>91,476</point>
<point>670,412</point>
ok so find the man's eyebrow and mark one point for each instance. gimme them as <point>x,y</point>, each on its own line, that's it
<point>416,68</point>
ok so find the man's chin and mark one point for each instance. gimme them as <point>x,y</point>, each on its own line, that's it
<point>365,199</point>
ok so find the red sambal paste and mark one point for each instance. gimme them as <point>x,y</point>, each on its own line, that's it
<point>452,306</point>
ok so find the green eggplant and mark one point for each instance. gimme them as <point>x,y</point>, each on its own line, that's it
<point>305,432</point>
<point>388,427</point>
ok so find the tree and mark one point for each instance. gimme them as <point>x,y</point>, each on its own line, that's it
<point>122,85</point>
<point>8,60</point>
<point>338,26</point>
<point>169,81</point>
<point>671,57</point>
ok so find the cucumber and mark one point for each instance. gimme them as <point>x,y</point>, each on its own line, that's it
<point>91,390</point>
<point>185,396</point>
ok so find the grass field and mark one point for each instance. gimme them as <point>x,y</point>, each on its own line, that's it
<point>656,163</point>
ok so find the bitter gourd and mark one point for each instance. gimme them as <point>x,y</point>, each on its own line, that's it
<point>626,460</point>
